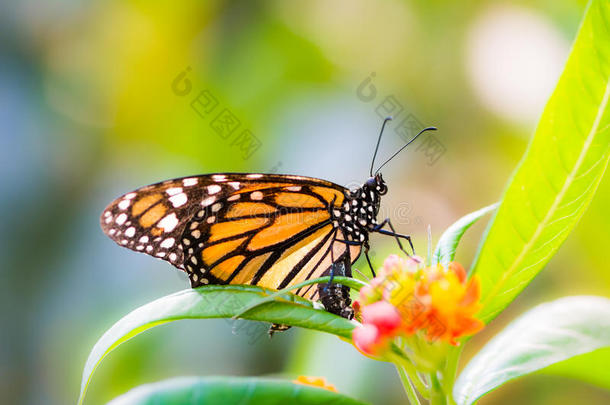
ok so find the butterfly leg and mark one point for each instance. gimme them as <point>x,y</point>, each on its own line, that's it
<point>397,236</point>
<point>366,252</point>
<point>368,259</point>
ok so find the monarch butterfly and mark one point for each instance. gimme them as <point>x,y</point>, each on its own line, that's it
<point>269,230</point>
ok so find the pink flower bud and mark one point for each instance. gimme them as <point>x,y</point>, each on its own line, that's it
<point>383,315</point>
<point>367,339</point>
<point>392,263</point>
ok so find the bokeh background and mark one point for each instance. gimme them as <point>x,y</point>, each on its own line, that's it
<point>100,97</point>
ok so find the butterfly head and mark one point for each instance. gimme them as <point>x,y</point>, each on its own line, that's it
<point>376,184</point>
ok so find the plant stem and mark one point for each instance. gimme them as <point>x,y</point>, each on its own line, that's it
<point>401,361</point>
<point>406,383</point>
<point>450,372</point>
<point>437,396</point>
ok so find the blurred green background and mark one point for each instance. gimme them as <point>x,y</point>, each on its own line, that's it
<point>92,106</point>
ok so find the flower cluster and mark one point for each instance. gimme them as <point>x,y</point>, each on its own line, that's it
<point>407,298</point>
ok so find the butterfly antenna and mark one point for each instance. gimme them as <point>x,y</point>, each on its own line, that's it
<point>385,121</point>
<point>405,145</point>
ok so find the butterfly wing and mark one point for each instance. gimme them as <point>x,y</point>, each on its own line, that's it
<point>262,229</point>
<point>275,238</point>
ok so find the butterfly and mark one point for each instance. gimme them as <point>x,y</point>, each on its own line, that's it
<point>270,230</point>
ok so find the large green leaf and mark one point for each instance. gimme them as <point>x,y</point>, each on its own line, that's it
<point>447,244</point>
<point>230,391</point>
<point>215,302</point>
<point>546,334</point>
<point>591,368</point>
<point>559,173</point>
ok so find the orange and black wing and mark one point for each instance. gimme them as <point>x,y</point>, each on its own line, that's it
<point>261,229</point>
<point>275,237</point>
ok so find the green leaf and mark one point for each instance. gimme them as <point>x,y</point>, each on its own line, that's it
<point>229,391</point>
<point>214,301</point>
<point>591,368</point>
<point>559,173</point>
<point>447,244</point>
<point>546,334</point>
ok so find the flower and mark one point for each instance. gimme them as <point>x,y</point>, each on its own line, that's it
<point>319,382</point>
<point>408,299</point>
<point>368,340</point>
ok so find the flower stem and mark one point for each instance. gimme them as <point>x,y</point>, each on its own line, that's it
<point>406,383</point>
<point>450,372</point>
<point>437,396</point>
<point>402,362</point>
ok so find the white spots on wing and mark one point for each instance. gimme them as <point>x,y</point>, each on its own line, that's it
<point>213,189</point>
<point>193,259</point>
<point>189,182</point>
<point>201,213</point>
<point>210,219</point>
<point>348,217</point>
<point>173,257</point>
<point>256,196</point>
<point>195,277</point>
<point>130,232</point>
<point>129,196</point>
<point>139,247</point>
<point>196,234</point>
<point>173,190</point>
<point>362,222</point>
<point>208,201</point>
<point>108,219</point>
<point>186,241</point>
<point>216,207</point>
<point>219,177</point>
<point>205,280</point>
<point>194,225</point>
<point>143,239</point>
<point>167,243</point>
<point>121,219</point>
<point>160,254</point>
<point>234,184</point>
<point>112,232</point>
<point>294,188</point>
<point>107,214</point>
<point>178,200</point>
<point>169,222</point>
<point>149,248</point>
<point>124,242</point>
<point>124,204</point>
<point>234,197</point>
<point>254,176</point>
<point>336,213</point>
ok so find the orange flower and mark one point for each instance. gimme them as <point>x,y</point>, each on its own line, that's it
<point>407,298</point>
<point>319,382</point>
